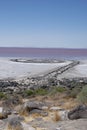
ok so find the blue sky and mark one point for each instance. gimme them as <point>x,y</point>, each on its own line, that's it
<point>43,23</point>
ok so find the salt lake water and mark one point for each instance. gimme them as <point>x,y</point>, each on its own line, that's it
<point>47,53</point>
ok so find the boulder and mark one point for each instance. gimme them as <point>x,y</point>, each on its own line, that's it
<point>27,126</point>
<point>78,112</point>
<point>16,117</point>
<point>14,124</point>
<point>33,105</point>
<point>2,125</point>
<point>12,101</point>
<point>27,107</point>
<point>39,112</point>
<point>9,104</point>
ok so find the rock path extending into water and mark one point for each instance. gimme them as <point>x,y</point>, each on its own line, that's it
<point>47,78</point>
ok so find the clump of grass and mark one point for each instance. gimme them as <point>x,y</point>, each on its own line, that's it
<point>14,128</point>
<point>82,96</point>
<point>60,89</point>
<point>74,92</point>
<point>29,92</point>
<point>57,89</point>
<point>69,105</point>
<point>41,91</point>
<point>56,117</point>
<point>3,96</point>
<point>24,112</point>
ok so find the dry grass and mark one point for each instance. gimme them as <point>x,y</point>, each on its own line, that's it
<point>35,115</point>
<point>69,104</point>
<point>23,113</point>
<point>41,129</point>
<point>56,117</point>
<point>1,116</point>
<point>14,128</point>
<point>17,108</point>
<point>27,119</point>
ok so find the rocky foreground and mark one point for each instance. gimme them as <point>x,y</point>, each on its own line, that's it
<point>44,102</point>
<point>41,113</point>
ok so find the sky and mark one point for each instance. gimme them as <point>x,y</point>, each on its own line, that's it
<point>43,23</point>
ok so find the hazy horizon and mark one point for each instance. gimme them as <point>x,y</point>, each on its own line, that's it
<point>41,47</point>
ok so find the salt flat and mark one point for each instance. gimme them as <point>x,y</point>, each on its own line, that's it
<point>79,70</point>
<point>16,70</point>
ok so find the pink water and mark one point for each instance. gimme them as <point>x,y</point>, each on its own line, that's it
<point>57,53</point>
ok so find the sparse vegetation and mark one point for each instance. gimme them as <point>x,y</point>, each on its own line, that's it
<point>29,92</point>
<point>57,89</point>
<point>3,96</point>
<point>39,91</point>
<point>82,96</point>
<point>14,128</point>
<point>60,89</point>
<point>42,91</point>
<point>74,92</point>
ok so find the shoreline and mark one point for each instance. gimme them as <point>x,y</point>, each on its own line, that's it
<point>47,74</point>
<point>18,70</point>
<point>25,68</point>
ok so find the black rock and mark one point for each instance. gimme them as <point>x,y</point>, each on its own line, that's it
<point>77,113</point>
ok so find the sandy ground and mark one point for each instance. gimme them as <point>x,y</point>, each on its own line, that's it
<point>14,70</point>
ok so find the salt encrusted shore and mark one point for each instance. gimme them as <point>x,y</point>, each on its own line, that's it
<point>17,70</point>
<point>17,75</point>
<point>79,70</point>
<point>21,68</point>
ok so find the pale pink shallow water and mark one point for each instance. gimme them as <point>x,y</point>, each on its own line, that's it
<point>58,53</point>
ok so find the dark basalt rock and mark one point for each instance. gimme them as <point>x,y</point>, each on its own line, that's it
<point>9,104</point>
<point>32,107</point>
<point>14,124</point>
<point>77,113</point>
<point>40,112</point>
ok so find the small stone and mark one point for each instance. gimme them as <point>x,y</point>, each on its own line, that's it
<point>55,109</point>
<point>44,108</point>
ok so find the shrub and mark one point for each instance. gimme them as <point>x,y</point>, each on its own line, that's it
<point>57,90</point>
<point>82,96</point>
<point>41,91</point>
<point>29,92</point>
<point>74,92</point>
<point>60,89</point>
<point>2,95</point>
